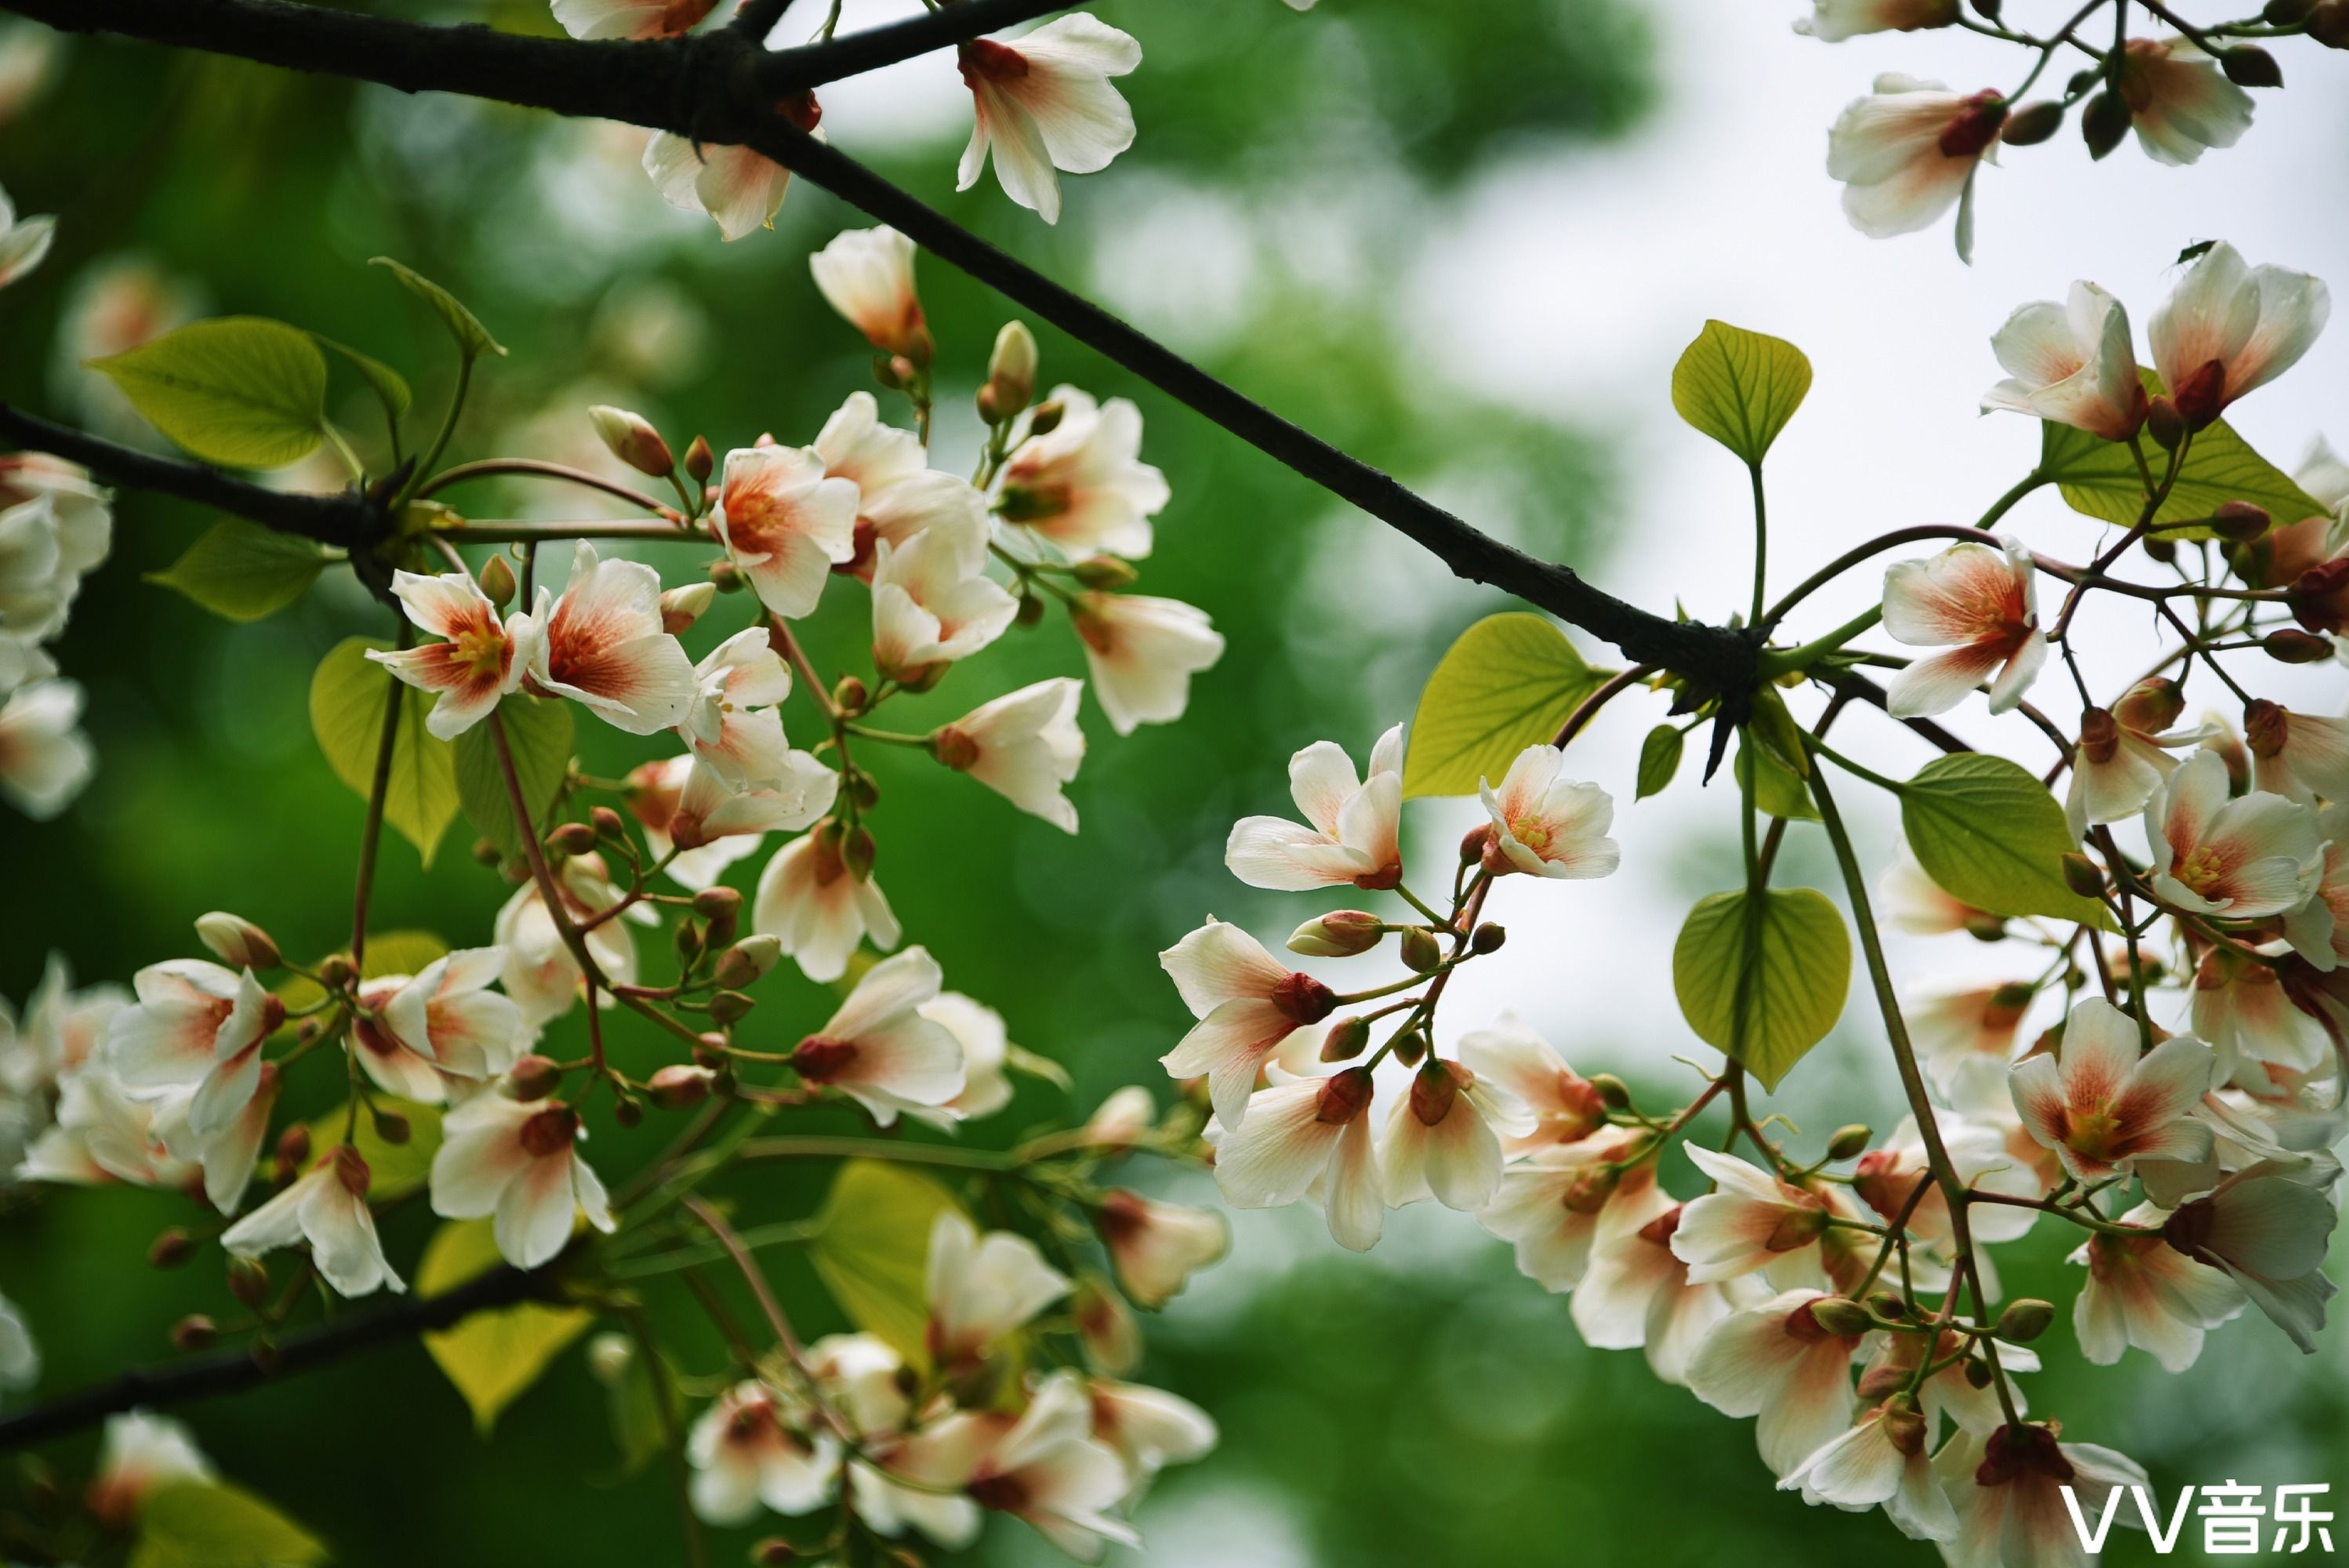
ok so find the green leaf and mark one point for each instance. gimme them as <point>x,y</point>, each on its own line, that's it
<point>1660,758</point>
<point>474,339</point>
<point>239,391</point>
<point>872,1250</point>
<point>539,732</point>
<point>1992,835</point>
<point>493,1357</point>
<point>1776,790</point>
<point>243,570</point>
<point>397,1169</point>
<point>1740,388</point>
<point>2100,478</point>
<point>400,953</point>
<point>389,385</point>
<point>346,698</point>
<point>1507,684</point>
<point>1763,982</point>
<point>211,1524</point>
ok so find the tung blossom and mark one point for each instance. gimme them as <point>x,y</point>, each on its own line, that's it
<point>603,645</point>
<point>1774,1360</point>
<point>1142,652</point>
<point>1548,1205</point>
<point>1024,746</point>
<point>867,275</point>
<point>24,241</point>
<point>1833,21</point>
<point>2179,101</point>
<point>1980,604</point>
<point>1753,1220</point>
<point>1565,1107</point>
<point>1349,835</point>
<point>983,1288</point>
<point>1443,1139</point>
<point>1308,1137</point>
<point>1044,1467</point>
<point>1082,484</point>
<point>1247,1004</point>
<point>2229,328</point>
<point>1155,1246</point>
<point>195,1026</point>
<point>1636,1294</point>
<point>2266,1227</point>
<point>327,1211</point>
<point>140,1452</point>
<point>785,523</point>
<point>2101,1106</point>
<point>541,974</point>
<point>2242,858</point>
<point>517,1163</point>
<point>1907,152</point>
<point>755,1447</point>
<point>813,903</point>
<point>1882,1460</point>
<point>2124,757</point>
<point>1043,102</point>
<point>732,725</point>
<point>445,1023</point>
<point>879,1049</point>
<point>631,18</point>
<point>2006,1491</point>
<point>2074,364</point>
<point>2142,1291</point>
<point>898,494</point>
<point>932,603</point>
<point>1546,826</point>
<point>739,190</point>
<point>2298,756</point>
<point>45,761</point>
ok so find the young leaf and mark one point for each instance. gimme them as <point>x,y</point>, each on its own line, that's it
<point>397,1169</point>
<point>1740,388</point>
<point>211,1524</point>
<point>1660,758</point>
<point>1507,684</point>
<point>243,570</point>
<point>240,391</point>
<point>1992,835</point>
<point>346,698</point>
<point>474,339</point>
<point>539,731</point>
<point>493,1358</point>
<point>1775,790</point>
<point>873,1250</point>
<point>389,385</point>
<point>1763,982</point>
<point>2100,478</point>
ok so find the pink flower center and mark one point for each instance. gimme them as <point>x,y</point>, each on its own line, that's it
<point>551,1131</point>
<point>983,59</point>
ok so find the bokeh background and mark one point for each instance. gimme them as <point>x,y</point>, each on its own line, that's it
<point>1463,241</point>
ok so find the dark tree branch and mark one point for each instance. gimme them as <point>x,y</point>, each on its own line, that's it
<point>349,520</point>
<point>716,88</point>
<point>853,54</point>
<point>233,1371</point>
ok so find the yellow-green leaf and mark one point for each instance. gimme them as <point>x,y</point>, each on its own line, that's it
<point>211,1524</point>
<point>539,733</point>
<point>240,391</point>
<point>1990,834</point>
<point>1507,684</point>
<point>1776,790</point>
<point>1660,758</point>
<point>1740,388</point>
<point>474,339</point>
<point>2100,478</point>
<point>397,1169</point>
<point>347,699</point>
<point>390,387</point>
<point>873,1250</point>
<point>1763,981</point>
<point>243,570</point>
<point>491,1356</point>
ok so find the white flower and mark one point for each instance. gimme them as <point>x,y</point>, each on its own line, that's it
<point>630,18</point>
<point>227,1154</point>
<point>1247,1004</point>
<point>1349,836</point>
<point>472,667</point>
<point>103,1135</point>
<point>1042,102</point>
<point>2124,757</point>
<point>706,814</point>
<point>1882,1459</point>
<point>1155,1246</point>
<point>1636,1294</point>
<point>1443,1139</point>
<point>55,528</point>
<point>986,1045</point>
<point>878,1048</point>
<point>1909,151</point>
<point>44,759</point>
<point>326,1210</point>
<point>2228,328</point>
<point>2298,756</point>
<point>754,1447</point>
<point>1833,21</point>
<point>932,603</point>
<point>1914,902</point>
<point>603,645</point>
<point>818,908</point>
<point>657,790</point>
<point>2179,100</point>
<point>2074,364</point>
<point>1775,1361</point>
<point>1149,1428</point>
<point>1985,602</point>
<point>518,1163</point>
<point>1752,1221</point>
<point>867,275</point>
<point>1549,1206</point>
<point>197,1026</point>
<point>24,240</point>
<point>1547,826</point>
<point>1023,746</point>
<point>541,974</point>
<point>739,189</point>
<point>2244,858</point>
<point>1965,1041</point>
<point>784,524</point>
<point>982,1289</point>
<point>2005,1491</point>
<point>2101,1106</point>
<point>2266,1227</point>
<point>1045,1467</point>
<point>1082,484</point>
<point>2142,1291</point>
<point>899,495</point>
<point>1142,652</point>
<point>1565,1108</point>
<point>2243,1009</point>
<point>142,1451</point>
<point>732,725</point>
<point>445,1023</point>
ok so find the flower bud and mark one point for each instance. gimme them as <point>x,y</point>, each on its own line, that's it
<point>1030,611</point>
<point>2025,1320</point>
<point>2163,422</point>
<point>724,577</point>
<point>773,1553</point>
<point>628,1111</point>
<point>1840,1316</point>
<point>2159,548</point>
<point>633,440</point>
<point>248,1280</point>
<point>610,1356</point>
<point>1346,1038</point>
<point>748,960</point>
<point>1613,1092</point>
<point>170,1248</point>
<point>1045,419</point>
<point>713,901</point>
<point>1105,574</point>
<point>850,696</point>
<point>338,971</point>
<point>497,580</point>
<point>2151,706</point>
<point>2247,67</point>
<point>1978,1373</point>
<point>680,607</point>
<point>709,1050</point>
<point>2286,13</point>
<point>1410,1048</point>
<point>535,1077</point>
<point>1883,1382</point>
<point>677,1086</point>
<point>700,462</point>
<point>2319,597</point>
<point>1341,933</point>
<point>1905,1426</point>
<point>1473,843</point>
<point>193,1332</point>
<point>294,1147</point>
<point>487,853</point>
<point>730,1006</point>
<point>1011,369</point>
<point>1887,1304</point>
<point>608,823</point>
<point>2103,124</point>
<point>1983,926</point>
<point>237,941</point>
<point>1487,938</point>
<point>1850,1141</point>
<point>2329,24</point>
<point>392,1126</point>
<point>2083,876</point>
<point>2032,123</point>
<point>687,939</point>
<point>1420,952</point>
<point>2239,522</point>
<point>2266,728</point>
<point>2288,646</point>
<point>571,839</point>
<point>858,851</point>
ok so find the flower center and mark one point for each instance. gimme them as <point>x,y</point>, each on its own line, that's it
<point>2199,870</point>
<point>551,1131</point>
<point>2094,1133</point>
<point>820,1061</point>
<point>481,652</point>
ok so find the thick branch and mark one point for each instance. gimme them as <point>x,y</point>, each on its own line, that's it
<point>713,87</point>
<point>233,1371</point>
<point>349,520</point>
